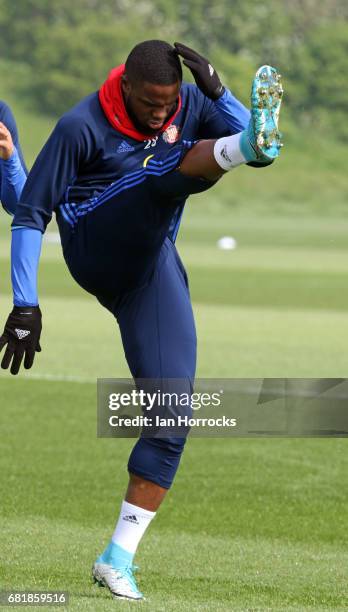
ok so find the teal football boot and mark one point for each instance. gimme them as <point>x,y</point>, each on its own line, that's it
<point>261,141</point>
<point>114,570</point>
<point>120,581</point>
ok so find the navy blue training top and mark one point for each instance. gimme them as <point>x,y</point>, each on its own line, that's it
<point>85,154</point>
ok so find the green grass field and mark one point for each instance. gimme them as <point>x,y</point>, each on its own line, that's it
<point>250,524</point>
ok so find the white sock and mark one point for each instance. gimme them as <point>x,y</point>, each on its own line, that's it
<point>131,526</point>
<point>227,152</point>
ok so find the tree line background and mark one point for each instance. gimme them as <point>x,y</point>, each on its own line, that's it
<point>60,50</point>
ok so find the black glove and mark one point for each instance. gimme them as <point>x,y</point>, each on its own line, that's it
<point>21,334</point>
<point>203,72</point>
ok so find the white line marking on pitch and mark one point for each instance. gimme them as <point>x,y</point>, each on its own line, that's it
<point>251,390</point>
<point>53,378</point>
<point>52,237</point>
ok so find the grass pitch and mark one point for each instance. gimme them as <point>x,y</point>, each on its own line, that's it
<point>249,524</point>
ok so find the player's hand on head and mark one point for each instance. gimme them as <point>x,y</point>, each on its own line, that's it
<point>6,142</point>
<point>21,336</point>
<point>203,72</point>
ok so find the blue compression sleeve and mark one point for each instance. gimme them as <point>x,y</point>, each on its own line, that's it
<point>25,255</point>
<point>234,112</point>
<point>13,177</point>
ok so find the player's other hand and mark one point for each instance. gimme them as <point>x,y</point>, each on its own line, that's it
<point>22,336</point>
<point>6,143</point>
<point>203,72</point>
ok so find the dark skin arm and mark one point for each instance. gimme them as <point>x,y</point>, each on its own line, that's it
<point>6,144</point>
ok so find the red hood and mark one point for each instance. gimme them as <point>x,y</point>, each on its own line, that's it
<point>111,99</point>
